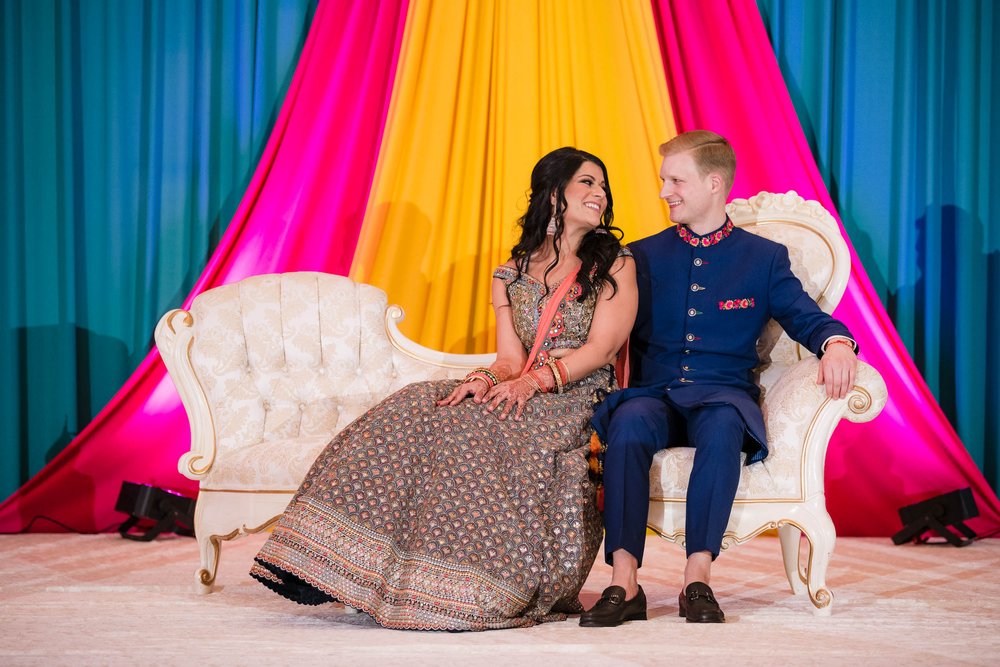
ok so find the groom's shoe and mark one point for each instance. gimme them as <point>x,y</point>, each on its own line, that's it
<point>612,609</point>
<point>698,605</point>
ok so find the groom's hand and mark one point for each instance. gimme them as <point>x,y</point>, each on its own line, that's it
<point>837,369</point>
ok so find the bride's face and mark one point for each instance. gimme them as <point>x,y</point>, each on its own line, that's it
<point>586,198</point>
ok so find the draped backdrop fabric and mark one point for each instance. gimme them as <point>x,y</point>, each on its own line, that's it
<point>910,452</point>
<point>900,104</point>
<point>301,211</point>
<point>455,109</point>
<point>130,131</point>
<point>513,79</point>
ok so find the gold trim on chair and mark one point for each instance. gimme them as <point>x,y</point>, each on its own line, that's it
<point>823,597</point>
<point>187,322</point>
<point>861,402</point>
<point>729,538</point>
<point>738,501</point>
<point>858,402</point>
<point>206,578</point>
<point>211,420</point>
<point>280,491</point>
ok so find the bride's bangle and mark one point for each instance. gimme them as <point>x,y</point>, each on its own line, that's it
<point>565,371</point>
<point>532,382</point>
<point>470,378</point>
<point>556,375</point>
<point>483,374</point>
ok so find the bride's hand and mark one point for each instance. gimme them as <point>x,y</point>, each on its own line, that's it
<point>475,388</point>
<point>514,392</point>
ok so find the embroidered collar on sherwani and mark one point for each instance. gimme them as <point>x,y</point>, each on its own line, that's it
<point>709,239</point>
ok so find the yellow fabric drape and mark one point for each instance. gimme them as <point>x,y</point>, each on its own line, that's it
<point>484,89</point>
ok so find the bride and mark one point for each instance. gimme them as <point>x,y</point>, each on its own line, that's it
<point>467,505</point>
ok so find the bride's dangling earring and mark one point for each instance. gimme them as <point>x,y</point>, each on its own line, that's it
<point>551,229</point>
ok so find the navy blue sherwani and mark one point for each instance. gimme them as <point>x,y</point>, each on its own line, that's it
<point>703,303</point>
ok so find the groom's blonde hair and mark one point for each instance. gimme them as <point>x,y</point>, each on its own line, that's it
<point>711,152</point>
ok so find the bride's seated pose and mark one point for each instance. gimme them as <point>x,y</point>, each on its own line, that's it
<point>467,505</point>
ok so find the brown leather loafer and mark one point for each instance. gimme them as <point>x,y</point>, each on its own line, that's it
<point>698,605</point>
<point>613,609</point>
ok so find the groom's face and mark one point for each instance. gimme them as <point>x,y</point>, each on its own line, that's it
<point>686,191</point>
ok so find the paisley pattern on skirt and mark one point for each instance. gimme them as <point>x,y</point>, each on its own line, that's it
<point>449,518</point>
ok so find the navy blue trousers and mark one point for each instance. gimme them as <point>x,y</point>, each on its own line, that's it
<point>642,426</point>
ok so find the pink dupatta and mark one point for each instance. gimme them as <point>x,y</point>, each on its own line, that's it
<point>548,314</point>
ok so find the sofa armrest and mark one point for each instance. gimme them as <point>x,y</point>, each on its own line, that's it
<point>394,315</point>
<point>797,413</point>
<point>174,337</point>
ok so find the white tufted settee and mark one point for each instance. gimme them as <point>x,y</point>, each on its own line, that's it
<point>785,492</point>
<point>269,369</point>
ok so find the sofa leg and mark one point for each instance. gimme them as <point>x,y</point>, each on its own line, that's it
<point>790,537</point>
<point>208,547</point>
<point>822,538</point>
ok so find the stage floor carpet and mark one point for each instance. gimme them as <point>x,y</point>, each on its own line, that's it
<point>103,600</point>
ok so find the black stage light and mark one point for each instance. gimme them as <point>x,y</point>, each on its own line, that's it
<point>935,515</point>
<point>169,510</point>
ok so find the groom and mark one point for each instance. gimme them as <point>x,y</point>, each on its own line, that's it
<point>706,291</point>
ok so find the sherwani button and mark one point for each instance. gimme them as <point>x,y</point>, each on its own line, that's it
<point>695,287</point>
<point>690,337</point>
<point>692,312</point>
<point>697,261</point>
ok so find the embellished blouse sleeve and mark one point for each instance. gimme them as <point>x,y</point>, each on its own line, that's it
<point>506,274</point>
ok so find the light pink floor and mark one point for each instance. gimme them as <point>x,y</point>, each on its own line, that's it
<point>102,600</point>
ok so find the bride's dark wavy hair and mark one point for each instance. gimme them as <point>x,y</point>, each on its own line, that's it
<point>600,246</point>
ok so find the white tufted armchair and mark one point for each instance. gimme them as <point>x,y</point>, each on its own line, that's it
<point>785,491</point>
<point>269,369</point>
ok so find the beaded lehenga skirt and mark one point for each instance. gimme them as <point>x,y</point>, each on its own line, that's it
<point>446,518</point>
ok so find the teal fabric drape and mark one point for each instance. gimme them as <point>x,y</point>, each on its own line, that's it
<point>129,133</point>
<point>900,102</point>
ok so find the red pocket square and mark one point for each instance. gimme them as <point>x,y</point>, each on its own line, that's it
<point>736,304</point>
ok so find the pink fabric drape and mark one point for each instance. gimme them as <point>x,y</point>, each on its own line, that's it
<point>302,211</point>
<point>722,75</point>
<point>305,204</point>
